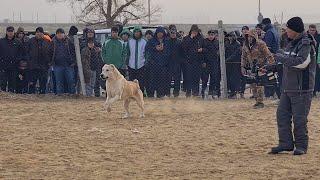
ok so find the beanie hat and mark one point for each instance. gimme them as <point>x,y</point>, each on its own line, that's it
<point>73,30</point>
<point>266,21</point>
<point>194,27</point>
<point>296,24</point>
<point>40,29</point>
<point>60,30</point>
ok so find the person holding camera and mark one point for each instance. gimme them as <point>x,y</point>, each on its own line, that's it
<point>254,54</point>
<point>299,68</point>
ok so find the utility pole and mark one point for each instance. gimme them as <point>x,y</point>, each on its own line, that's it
<point>149,11</point>
<point>222,61</point>
<point>260,16</point>
<point>13,17</point>
<point>37,18</point>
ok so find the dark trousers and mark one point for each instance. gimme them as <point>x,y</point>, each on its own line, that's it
<point>22,81</point>
<point>175,76</point>
<point>147,80</point>
<point>8,80</point>
<point>35,76</point>
<point>137,74</point>
<point>213,71</point>
<point>294,107</point>
<point>192,78</point>
<point>159,80</point>
<point>243,83</point>
<point>233,78</point>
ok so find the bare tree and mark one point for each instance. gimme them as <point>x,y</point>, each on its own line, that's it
<point>108,12</point>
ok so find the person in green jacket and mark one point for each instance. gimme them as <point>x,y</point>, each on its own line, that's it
<point>114,51</point>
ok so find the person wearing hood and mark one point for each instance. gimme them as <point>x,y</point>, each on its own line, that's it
<point>314,32</point>
<point>211,65</point>
<point>233,60</point>
<point>299,68</point>
<point>63,59</point>
<point>11,53</point>
<point>38,61</point>
<point>159,53</point>
<point>136,58</point>
<point>114,51</point>
<point>148,36</point>
<point>272,39</point>
<point>72,32</point>
<point>175,61</point>
<point>22,37</point>
<point>192,46</point>
<point>254,53</point>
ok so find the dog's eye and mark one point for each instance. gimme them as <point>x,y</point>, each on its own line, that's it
<point>107,70</point>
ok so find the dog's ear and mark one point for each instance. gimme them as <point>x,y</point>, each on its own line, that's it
<point>112,67</point>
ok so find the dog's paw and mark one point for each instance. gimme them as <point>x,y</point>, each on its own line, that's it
<point>142,115</point>
<point>108,109</point>
<point>126,116</point>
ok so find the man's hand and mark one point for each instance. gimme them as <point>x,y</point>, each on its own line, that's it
<point>159,48</point>
<point>20,77</point>
<point>278,57</point>
<point>243,71</point>
<point>200,50</point>
<point>204,65</point>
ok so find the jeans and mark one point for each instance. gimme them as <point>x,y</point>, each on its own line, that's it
<point>91,85</point>
<point>64,76</point>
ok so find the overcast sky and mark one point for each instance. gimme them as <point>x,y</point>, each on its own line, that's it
<point>177,11</point>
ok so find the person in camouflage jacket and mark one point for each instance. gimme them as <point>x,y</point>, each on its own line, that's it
<point>255,52</point>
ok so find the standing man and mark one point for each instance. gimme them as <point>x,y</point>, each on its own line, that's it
<point>233,65</point>
<point>113,51</point>
<point>158,49</point>
<point>254,53</point>
<point>211,65</point>
<point>11,52</point>
<point>38,61</point>
<point>272,39</point>
<point>299,67</point>
<point>313,31</point>
<point>193,54</point>
<point>63,60</point>
<point>136,58</point>
<point>175,61</point>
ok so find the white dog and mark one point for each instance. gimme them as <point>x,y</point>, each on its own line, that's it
<point>118,88</point>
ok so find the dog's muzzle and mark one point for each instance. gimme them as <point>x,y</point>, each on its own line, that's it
<point>102,77</point>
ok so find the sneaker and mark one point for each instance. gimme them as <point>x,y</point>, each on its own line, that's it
<point>299,152</point>
<point>258,106</point>
<point>278,149</point>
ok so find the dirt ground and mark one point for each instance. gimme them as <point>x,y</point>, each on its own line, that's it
<point>74,138</point>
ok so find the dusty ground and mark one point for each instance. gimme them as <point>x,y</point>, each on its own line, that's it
<point>74,138</point>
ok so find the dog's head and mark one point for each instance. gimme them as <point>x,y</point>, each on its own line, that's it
<point>109,72</point>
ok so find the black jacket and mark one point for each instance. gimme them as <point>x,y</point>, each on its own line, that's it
<point>38,54</point>
<point>175,51</point>
<point>233,52</point>
<point>190,48</point>
<point>62,53</point>
<point>211,51</point>
<point>11,53</point>
<point>299,65</point>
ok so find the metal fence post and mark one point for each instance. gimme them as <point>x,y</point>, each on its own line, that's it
<point>79,64</point>
<point>222,61</point>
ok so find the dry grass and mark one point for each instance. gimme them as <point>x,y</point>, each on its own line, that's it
<point>74,138</point>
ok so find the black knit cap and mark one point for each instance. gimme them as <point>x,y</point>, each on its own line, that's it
<point>296,24</point>
<point>40,30</point>
<point>60,30</point>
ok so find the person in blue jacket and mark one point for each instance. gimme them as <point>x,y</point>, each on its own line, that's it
<point>158,55</point>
